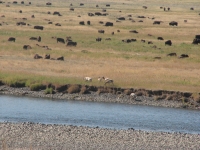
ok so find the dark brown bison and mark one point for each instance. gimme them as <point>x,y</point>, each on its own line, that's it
<point>22,2</point>
<point>145,7</point>
<point>47,56</point>
<point>33,38</point>
<point>39,39</point>
<point>11,39</point>
<point>36,56</point>
<point>171,54</point>
<point>107,5</point>
<point>60,58</point>
<point>197,36</point>
<point>168,42</point>
<point>82,23</point>
<point>90,14</point>
<point>101,22</point>
<point>160,38</point>
<point>61,40</point>
<point>39,27</point>
<point>20,23</point>
<point>48,3</point>
<point>20,11</point>
<point>14,2</point>
<point>25,47</point>
<point>142,40</point>
<point>98,13</point>
<point>81,4</point>
<point>133,31</point>
<point>98,39</point>
<point>56,13</point>
<point>88,22</point>
<point>57,24</point>
<point>71,43</point>
<point>101,31</point>
<point>150,42</point>
<point>173,23</point>
<point>183,56</point>
<point>156,22</point>
<point>71,9</point>
<point>121,18</point>
<point>108,24</point>
<point>196,41</point>
<point>32,16</point>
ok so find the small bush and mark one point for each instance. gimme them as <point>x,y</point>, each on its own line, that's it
<point>73,89</point>
<point>49,91</point>
<point>15,83</point>
<point>37,87</point>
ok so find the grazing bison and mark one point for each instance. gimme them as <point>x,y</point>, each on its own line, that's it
<point>39,39</point>
<point>109,24</point>
<point>60,58</point>
<point>196,41</point>
<point>20,23</point>
<point>101,31</point>
<point>183,56</point>
<point>56,13</point>
<point>142,40</point>
<point>39,27</point>
<point>12,39</point>
<point>168,42</point>
<point>173,23</point>
<point>88,22</point>
<point>36,56</point>
<point>47,56</point>
<point>71,9</point>
<point>98,13</point>
<point>101,22</point>
<point>156,22</point>
<point>48,3</point>
<point>150,42</point>
<point>171,54</point>
<point>107,5</point>
<point>27,47</point>
<point>82,23</point>
<point>90,14</point>
<point>98,39</point>
<point>133,31</point>
<point>81,4</point>
<point>61,40</point>
<point>57,24</point>
<point>71,43</point>
<point>197,36</point>
<point>33,38</point>
<point>121,18</point>
<point>14,2</point>
<point>160,38</point>
<point>145,7</point>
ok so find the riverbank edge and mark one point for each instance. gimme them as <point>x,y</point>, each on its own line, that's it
<point>160,98</point>
<point>37,136</point>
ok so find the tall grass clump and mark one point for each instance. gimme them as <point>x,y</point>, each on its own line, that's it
<point>37,87</point>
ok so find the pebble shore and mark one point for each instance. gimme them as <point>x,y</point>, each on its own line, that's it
<point>26,136</point>
<point>30,136</point>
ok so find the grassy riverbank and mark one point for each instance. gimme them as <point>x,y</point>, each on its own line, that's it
<point>130,65</point>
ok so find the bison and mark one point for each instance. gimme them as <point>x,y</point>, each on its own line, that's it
<point>48,3</point>
<point>82,23</point>
<point>33,38</point>
<point>61,40</point>
<point>27,47</point>
<point>121,18</point>
<point>109,24</point>
<point>160,38</point>
<point>60,58</point>
<point>98,39</point>
<point>39,27</point>
<point>168,42</point>
<point>101,31</point>
<point>196,41</point>
<point>20,23</point>
<point>183,56</point>
<point>156,22</point>
<point>173,23</point>
<point>36,56</point>
<point>71,43</point>
<point>171,54</point>
<point>47,56</point>
<point>133,31</point>
<point>12,39</point>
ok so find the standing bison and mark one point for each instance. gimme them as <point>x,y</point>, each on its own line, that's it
<point>39,27</point>
<point>109,24</point>
<point>173,23</point>
<point>168,42</point>
<point>71,43</point>
<point>61,40</point>
<point>12,39</point>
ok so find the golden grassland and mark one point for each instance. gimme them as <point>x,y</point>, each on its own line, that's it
<point>128,64</point>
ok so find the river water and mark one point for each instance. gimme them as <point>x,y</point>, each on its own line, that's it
<point>93,114</point>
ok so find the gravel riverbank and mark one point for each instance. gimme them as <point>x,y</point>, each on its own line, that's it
<point>59,137</point>
<point>140,99</point>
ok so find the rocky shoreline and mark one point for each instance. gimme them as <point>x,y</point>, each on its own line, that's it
<point>174,100</point>
<point>31,136</point>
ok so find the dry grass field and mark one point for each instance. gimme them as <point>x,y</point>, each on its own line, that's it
<point>128,64</point>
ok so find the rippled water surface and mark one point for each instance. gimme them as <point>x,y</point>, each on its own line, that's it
<point>106,115</point>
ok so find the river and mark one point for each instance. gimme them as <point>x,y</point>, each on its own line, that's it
<point>93,114</point>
